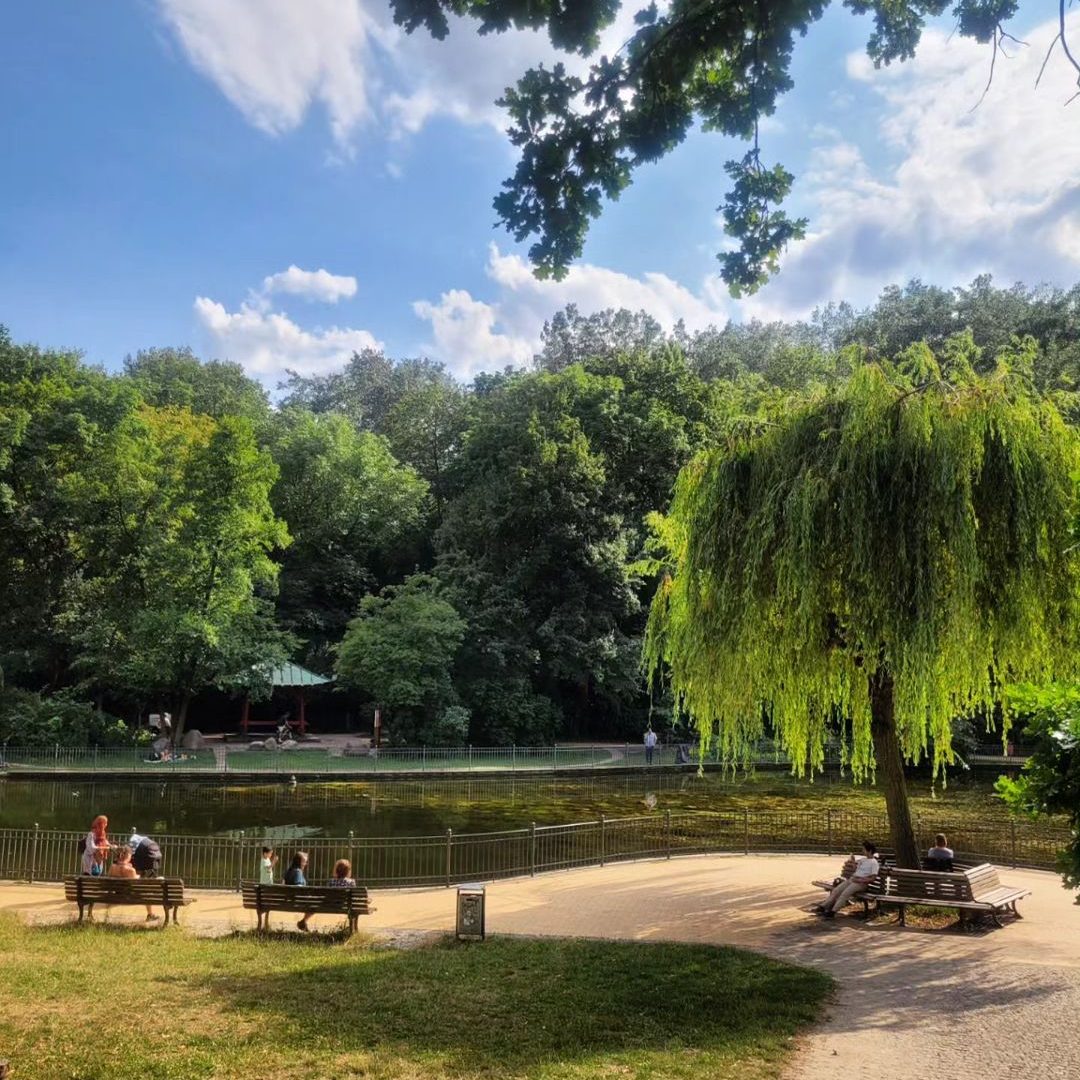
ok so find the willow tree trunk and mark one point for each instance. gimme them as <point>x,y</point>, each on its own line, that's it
<point>890,769</point>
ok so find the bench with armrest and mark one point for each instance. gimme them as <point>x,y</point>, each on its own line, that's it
<point>975,890</point>
<point>352,902</point>
<point>86,891</point>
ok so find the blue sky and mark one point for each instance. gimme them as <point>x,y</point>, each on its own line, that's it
<point>169,161</point>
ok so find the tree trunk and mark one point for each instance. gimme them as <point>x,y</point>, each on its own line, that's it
<point>890,768</point>
<point>181,718</point>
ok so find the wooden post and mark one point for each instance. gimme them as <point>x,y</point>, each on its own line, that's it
<point>245,714</point>
<point>303,716</point>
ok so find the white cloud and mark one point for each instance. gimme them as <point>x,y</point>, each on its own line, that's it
<point>465,335</point>
<point>310,284</point>
<point>273,59</point>
<point>472,335</point>
<point>971,187</point>
<point>269,343</point>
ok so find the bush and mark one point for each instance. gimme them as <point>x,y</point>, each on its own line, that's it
<point>29,720</point>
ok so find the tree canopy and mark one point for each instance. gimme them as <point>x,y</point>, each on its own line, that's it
<point>723,66</point>
<point>881,558</point>
<point>524,495</point>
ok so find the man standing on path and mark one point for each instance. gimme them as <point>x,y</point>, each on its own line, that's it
<point>650,745</point>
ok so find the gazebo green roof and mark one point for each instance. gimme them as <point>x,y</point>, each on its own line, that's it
<point>294,675</point>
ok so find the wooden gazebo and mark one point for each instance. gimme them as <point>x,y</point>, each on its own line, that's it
<point>291,677</point>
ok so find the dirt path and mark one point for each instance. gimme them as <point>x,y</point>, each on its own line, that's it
<point>911,1004</point>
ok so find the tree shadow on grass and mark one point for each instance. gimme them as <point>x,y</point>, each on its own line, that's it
<point>509,1005</point>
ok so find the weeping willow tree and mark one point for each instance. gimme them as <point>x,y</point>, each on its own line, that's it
<point>878,562</point>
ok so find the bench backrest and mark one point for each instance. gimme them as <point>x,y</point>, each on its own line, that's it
<point>982,879</point>
<point>324,899</point>
<point>84,889</point>
<point>942,887</point>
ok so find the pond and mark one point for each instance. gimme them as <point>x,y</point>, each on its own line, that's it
<point>467,805</point>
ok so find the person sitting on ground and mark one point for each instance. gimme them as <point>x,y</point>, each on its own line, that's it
<point>940,853</point>
<point>121,866</point>
<point>341,878</point>
<point>266,865</point>
<point>866,869</point>
<point>96,838</point>
<point>295,875</point>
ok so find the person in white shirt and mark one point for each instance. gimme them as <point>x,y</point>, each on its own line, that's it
<point>866,869</point>
<point>650,745</point>
<point>266,866</point>
<point>940,852</point>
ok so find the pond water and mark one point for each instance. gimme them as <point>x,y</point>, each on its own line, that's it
<point>429,807</point>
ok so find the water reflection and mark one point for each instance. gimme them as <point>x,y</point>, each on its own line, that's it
<point>407,807</point>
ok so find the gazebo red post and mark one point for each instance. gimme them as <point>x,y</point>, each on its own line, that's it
<point>303,717</point>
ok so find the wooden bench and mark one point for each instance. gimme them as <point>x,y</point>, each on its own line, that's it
<point>312,899</point>
<point>977,890</point>
<point>879,886</point>
<point>86,891</point>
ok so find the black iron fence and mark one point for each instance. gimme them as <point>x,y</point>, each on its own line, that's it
<point>222,861</point>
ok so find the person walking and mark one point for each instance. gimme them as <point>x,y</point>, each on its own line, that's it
<point>650,745</point>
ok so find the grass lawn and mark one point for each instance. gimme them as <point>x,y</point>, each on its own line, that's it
<point>116,1002</point>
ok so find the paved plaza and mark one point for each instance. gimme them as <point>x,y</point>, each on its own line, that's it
<point>911,1003</point>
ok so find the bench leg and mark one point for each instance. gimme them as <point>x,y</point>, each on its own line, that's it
<point>81,912</point>
<point>89,912</point>
<point>1012,908</point>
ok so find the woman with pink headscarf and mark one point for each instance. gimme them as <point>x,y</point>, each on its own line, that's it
<point>96,840</point>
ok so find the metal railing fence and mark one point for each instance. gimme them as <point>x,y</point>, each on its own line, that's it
<point>232,758</point>
<point>241,759</point>
<point>222,861</point>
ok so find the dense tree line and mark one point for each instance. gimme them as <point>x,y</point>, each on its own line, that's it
<point>471,557</point>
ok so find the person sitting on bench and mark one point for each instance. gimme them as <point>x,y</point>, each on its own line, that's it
<point>866,868</point>
<point>342,878</point>
<point>295,876</point>
<point>940,856</point>
<point>121,866</point>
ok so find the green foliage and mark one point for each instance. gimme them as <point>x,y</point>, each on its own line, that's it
<point>33,720</point>
<point>723,66</point>
<point>176,378</point>
<point>1050,780</point>
<point>355,515</point>
<point>916,521</point>
<point>554,482</point>
<point>176,549</point>
<point>762,233</point>
<point>399,652</point>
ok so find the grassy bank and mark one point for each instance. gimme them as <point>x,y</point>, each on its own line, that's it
<point>100,1002</point>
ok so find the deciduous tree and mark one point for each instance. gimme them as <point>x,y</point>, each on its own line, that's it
<point>886,556</point>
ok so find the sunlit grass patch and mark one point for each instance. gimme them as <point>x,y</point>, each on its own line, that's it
<point>98,1002</point>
